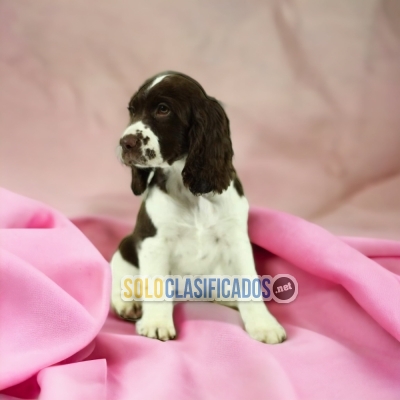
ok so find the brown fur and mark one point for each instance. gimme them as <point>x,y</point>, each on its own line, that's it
<point>197,128</point>
<point>139,180</point>
<point>238,186</point>
<point>144,228</point>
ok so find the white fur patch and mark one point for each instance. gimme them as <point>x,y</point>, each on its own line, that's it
<point>120,268</point>
<point>157,80</point>
<point>157,321</point>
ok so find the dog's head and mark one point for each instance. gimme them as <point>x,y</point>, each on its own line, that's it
<point>172,118</point>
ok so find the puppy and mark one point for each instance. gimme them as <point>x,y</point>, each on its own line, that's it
<point>193,216</point>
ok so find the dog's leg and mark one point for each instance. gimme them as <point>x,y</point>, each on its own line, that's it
<point>130,310</point>
<point>157,320</point>
<point>258,321</point>
<point>260,324</point>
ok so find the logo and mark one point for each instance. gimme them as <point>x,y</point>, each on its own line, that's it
<point>282,288</point>
<point>285,288</point>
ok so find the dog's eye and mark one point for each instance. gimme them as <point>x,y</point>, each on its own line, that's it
<point>131,109</point>
<point>162,109</point>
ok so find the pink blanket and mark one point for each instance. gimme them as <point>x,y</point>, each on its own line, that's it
<point>343,328</point>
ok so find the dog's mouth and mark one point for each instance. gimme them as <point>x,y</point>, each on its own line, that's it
<point>133,160</point>
<point>130,158</point>
<point>131,153</point>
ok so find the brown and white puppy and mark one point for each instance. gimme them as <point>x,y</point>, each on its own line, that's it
<point>193,217</point>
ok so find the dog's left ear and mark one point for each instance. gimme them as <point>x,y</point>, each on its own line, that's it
<point>140,177</point>
<point>208,165</point>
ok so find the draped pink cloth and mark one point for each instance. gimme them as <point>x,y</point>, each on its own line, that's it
<point>54,298</point>
<point>56,342</point>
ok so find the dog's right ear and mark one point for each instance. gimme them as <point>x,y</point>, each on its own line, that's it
<point>140,177</point>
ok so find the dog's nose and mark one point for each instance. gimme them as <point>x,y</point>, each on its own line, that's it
<point>128,142</point>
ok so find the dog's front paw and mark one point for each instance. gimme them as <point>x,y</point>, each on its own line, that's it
<point>161,328</point>
<point>266,331</point>
<point>130,310</point>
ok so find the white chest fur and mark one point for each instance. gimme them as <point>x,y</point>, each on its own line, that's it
<point>199,231</point>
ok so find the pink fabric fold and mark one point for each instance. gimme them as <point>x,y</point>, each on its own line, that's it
<point>319,253</point>
<point>78,381</point>
<point>343,328</point>
<point>54,288</point>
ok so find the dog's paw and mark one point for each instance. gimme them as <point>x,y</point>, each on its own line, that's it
<point>130,310</point>
<point>156,328</point>
<point>270,332</point>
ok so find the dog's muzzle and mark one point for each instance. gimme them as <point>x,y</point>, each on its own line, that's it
<point>132,150</point>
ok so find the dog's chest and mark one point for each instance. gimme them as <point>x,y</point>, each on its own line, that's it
<point>201,243</point>
<point>200,233</point>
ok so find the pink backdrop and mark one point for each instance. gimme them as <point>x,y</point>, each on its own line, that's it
<point>312,89</point>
